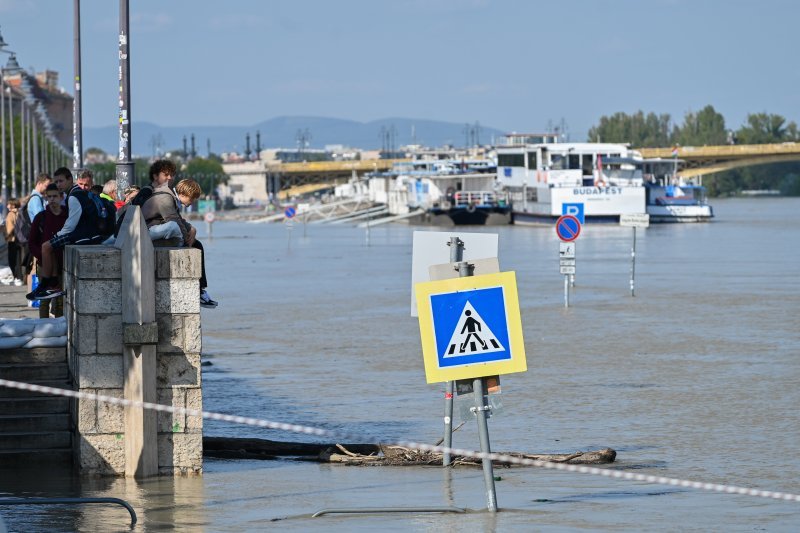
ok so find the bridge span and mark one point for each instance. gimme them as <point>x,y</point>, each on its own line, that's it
<point>704,160</point>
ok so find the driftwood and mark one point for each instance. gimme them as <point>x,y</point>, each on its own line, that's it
<point>370,454</point>
<point>400,456</point>
<point>237,448</point>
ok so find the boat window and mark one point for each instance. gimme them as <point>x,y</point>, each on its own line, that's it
<point>532,160</point>
<point>587,164</point>
<point>510,160</point>
<point>557,162</point>
<point>574,161</point>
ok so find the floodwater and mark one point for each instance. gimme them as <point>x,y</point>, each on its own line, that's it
<point>697,377</point>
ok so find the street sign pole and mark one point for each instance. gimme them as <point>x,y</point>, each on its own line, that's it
<point>481,407</point>
<point>566,290</point>
<point>456,256</point>
<point>483,432</point>
<point>635,220</point>
<point>633,261</point>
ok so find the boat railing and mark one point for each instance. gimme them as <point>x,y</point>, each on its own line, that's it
<point>478,198</point>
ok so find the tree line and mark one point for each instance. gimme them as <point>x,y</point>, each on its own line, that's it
<point>208,172</point>
<point>707,127</point>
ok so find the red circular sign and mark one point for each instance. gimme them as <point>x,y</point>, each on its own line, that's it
<point>568,228</point>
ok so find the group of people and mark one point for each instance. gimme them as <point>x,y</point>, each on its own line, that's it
<point>63,212</point>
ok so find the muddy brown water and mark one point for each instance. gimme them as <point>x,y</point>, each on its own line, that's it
<point>697,377</point>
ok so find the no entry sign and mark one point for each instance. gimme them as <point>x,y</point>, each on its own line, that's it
<point>568,228</point>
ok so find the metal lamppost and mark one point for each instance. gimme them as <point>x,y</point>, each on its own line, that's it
<point>77,125</point>
<point>125,170</point>
<point>12,67</point>
<point>4,193</point>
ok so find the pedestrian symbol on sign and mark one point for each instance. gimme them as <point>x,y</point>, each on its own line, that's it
<point>472,335</point>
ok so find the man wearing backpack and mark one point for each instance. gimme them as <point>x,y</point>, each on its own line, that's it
<point>81,227</point>
<point>34,205</point>
<point>36,202</point>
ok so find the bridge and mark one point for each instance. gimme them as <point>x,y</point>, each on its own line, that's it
<point>704,160</point>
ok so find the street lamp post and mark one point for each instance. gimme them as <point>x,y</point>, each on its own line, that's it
<point>77,125</point>
<point>125,169</point>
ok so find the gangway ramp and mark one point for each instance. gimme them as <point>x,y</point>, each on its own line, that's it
<point>395,218</point>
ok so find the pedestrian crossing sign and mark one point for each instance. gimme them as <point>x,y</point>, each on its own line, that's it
<point>470,327</point>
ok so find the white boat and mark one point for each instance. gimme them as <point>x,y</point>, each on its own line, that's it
<point>670,198</point>
<point>541,177</point>
<point>546,179</point>
<point>465,191</point>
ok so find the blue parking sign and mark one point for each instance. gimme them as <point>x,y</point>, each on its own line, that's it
<point>575,210</point>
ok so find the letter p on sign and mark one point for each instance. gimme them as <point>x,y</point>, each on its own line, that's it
<point>575,210</point>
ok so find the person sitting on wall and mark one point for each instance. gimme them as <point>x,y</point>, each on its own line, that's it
<point>44,227</point>
<point>81,227</point>
<point>188,191</point>
<point>161,212</point>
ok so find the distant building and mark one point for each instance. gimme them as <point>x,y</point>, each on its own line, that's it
<point>247,183</point>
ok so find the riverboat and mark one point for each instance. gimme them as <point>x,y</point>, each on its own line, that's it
<point>543,177</point>
<point>546,178</point>
<point>465,191</point>
<point>671,198</point>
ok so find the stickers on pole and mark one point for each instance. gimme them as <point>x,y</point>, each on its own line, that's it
<point>470,327</point>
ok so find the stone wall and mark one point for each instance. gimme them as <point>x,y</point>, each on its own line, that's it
<point>93,308</point>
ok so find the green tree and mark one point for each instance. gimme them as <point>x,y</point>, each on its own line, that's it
<point>764,128</point>
<point>207,172</point>
<point>706,127</point>
<point>639,130</point>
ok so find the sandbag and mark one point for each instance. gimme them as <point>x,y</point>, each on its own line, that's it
<point>17,328</point>
<point>9,343</point>
<point>46,342</point>
<point>50,327</point>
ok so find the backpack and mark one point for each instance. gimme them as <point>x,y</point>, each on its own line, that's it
<point>22,229</point>
<point>142,196</point>
<point>105,212</point>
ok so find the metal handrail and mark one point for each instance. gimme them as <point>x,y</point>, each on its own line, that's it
<point>57,501</point>
<point>360,510</point>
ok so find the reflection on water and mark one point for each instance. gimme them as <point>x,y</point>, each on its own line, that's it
<point>696,377</point>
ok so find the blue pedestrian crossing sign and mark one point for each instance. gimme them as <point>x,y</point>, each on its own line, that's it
<point>470,327</point>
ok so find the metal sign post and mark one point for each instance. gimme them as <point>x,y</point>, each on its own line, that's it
<point>209,218</point>
<point>456,255</point>
<point>471,329</point>
<point>634,221</point>
<point>289,214</point>
<point>568,228</point>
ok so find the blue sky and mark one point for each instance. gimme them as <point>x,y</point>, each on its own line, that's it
<point>510,64</point>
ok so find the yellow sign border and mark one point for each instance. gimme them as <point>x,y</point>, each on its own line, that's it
<point>425,290</point>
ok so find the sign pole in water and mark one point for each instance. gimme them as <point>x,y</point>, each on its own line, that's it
<point>289,214</point>
<point>568,228</point>
<point>456,256</point>
<point>471,328</point>
<point>634,221</point>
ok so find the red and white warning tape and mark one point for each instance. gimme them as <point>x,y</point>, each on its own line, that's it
<point>295,428</point>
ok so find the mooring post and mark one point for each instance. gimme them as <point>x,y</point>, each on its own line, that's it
<point>456,255</point>
<point>478,390</point>
<point>139,337</point>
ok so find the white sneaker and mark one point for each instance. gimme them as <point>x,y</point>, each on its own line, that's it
<point>18,282</point>
<point>6,281</point>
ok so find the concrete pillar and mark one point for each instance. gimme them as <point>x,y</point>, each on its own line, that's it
<point>111,342</point>
<point>139,339</point>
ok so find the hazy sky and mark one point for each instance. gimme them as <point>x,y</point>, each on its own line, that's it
<point>510,64</point>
